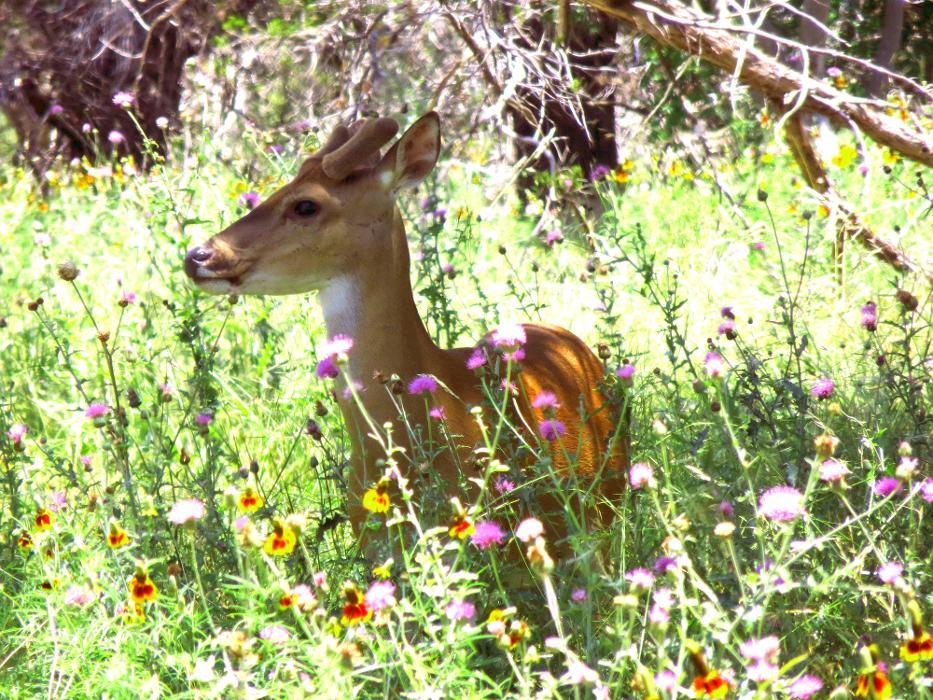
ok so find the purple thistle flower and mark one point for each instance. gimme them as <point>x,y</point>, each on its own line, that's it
<point>727,328</point>
<point>327,368</point>
<point>381,595</point>
<point>578,595</point>
<point>56,109</point>
<point>926,490</point>
<point>663,564</point>
<point>551,429</point>
<point>726,509</point>
<point>486,534</point>
<point>205,418</point>
<point>890,572</point>
<point>833,71</point>
<point>599,172</point>
<point>640,578</point>
<point>870,316</point>
<point>641,474</point>
<point>249,200</point>
<point>805,687</point>
<point>504,485</point>
<point>476,360</point>
<point>546,401</point>
<point>17,432</point>
<point>714,364</point>
<point>187,511</point>
<point>422,384</point>
<point>438,413</point>
<point>458,610</point>
<point>127,298</point>
<point>553,237</point>
<point>781,504</point>
<point>340,344</point>
<point>764,649</point>
<point>823,388</point>
<point>96,410</point>
<point>626,372</point>
<point>885,486</point>
<point>758,246</point>
<point>509,337</point>
<point>275,634</point>
<point>833,471</point>
<point>726,312</point>
<point>124,99</point>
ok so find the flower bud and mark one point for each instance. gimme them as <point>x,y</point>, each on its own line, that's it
<point>68,271</point>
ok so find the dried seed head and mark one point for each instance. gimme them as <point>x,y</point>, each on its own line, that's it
<point>68,271</point>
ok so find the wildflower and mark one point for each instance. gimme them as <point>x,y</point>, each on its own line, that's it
<point>578,673</point>
<point>44,519</point>
<point>758,246</point>
<point>825,445</point>
<point>458,610</point>
<point>666,680</point>
<point>724,529</point>
<point>250,501</point>
<point>659,615</point>
<point>890,572</point>
<point>376,499</point>
<point>551,429</point>
<point>438,413</point>
<point>249,200</point>
<point>286,600</point>
<point>503,485</point>
<point>381,595</point>
<point>124,99</point>
<point>805,687</point>
<point>355,608</point>
<point>529,529</point>
<point>275,634</point>
<point>641,474</point>
<point>422,384</point>
<point>24,541</point>
<point>79,596</point>
<point>926,490</point>
<point>764,649</point>
<point>726,509</point>
<point>917,648</point>
<point>870,316</point>
<point>781,504</point>
<point>762,671</point>
<point>116,137</point>
<point>486,534</point>
<point>906,468</point>
<point>204,419</point>
<point>462,526</point>
<point>538,557</point>
<point>875,682</point>
<point>161,122</point>
<point>281,541</point>
<point>509,337</point>
<point>186,512</point>
<point>640,578</point>
<point>823,388</point>
<point>833,471</point>
<point>885,486</point>
<point>599,172</point>
<point>626,373</point>
<point>96,410</point>
<point>117,536</point>
<point>58,502</point>
<point>16,433</point>
<point>319,579</point>
<point>546,401</point>
<point>303,597</point>
<point>126,298</point>
<point>714,364</point>
<point>476,360</point>
<point>710,685</point>
<point>327,369</point>
<point>664,564</point>
<point>142,588</point>
<point>727,328</point>
<point>554,236</point>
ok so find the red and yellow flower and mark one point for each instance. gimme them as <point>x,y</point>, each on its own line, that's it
<point>250,501</point>
<point>376,499</point>
<point>117,536</point>
<point>44,519</point>
<point>461,525</point>
<point>917,648</point>
<point>877,684</point>
<point>710,685</point>
<point>355,609</point>
<point>24,541</point>
<point>142,588</point>
<point>281,541</point>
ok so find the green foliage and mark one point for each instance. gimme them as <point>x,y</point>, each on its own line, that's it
<point>216,400</point>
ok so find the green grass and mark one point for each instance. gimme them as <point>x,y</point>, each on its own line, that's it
<point>647,280</point>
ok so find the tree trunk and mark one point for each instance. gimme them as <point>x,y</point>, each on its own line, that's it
<point>876,84</point>
<point>812,34</point>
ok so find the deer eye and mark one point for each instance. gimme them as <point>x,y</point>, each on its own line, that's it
<point>305,208</point>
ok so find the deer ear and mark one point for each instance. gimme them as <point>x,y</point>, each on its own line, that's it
<point>414,155</point>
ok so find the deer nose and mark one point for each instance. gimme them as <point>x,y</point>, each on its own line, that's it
<point>195,259</point>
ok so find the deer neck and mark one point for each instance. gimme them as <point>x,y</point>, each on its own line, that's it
<point>374,304</point>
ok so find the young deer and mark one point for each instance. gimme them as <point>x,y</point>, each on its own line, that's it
<point>336,229</point>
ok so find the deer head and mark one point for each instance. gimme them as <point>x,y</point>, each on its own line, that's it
<point>335,217</point>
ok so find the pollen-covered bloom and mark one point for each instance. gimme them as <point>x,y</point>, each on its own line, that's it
<point>781,504</point>
<point>486,534</point>
<point>187,511</point>
<point>422,384</point>
<point>640,475</point>
<point>551,429</point>
<point>281,541</point>
<point>381,595</point>
<point>870,316</point>
<point>823,388</point>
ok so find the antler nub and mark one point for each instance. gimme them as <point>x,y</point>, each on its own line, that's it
<point>368,139</point>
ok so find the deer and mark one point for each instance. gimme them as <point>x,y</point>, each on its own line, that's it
<point>337,229</point>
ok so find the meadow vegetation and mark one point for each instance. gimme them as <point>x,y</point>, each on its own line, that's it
<point>173,467</point>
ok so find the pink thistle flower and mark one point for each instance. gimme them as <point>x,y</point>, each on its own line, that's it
<point>486,534</point>
<point>319,579</point>
<point>578,595</point>
<point>85,460</point>
<point>56,109</point>
<point>762,671</point>
<point>476,360</point>
<point>885,486</point>
<point>529,529</point>
<point>551,429</point>
<point>340,344</point>
<point>926,490</point>
<point>666,680</point>
<point>823,388</point>
<point>351,386</point>
<point>96,410</point>
<point>553,237</point>
<point>17,432</point>
<point>58,502</point>
<point>781,504</point>
<point>124,99</point>
<point>127,298</point>
<point>422,384</point>
<point>641,474</point>
<point>116,137</point>
<point>833,471</point>
<point>658,615</point>
<point>726,509</point>
<point>626,372</point>
<point>578,673</point>
<point>726,312</point>
<point>504,485</point>
<point>327,369</point>
<point>249,200</point>
<point>640,578</point>
<point>714,364</point>
<point>870,317</point>
<point>381,595</point>
<point>185,512</point>
<point>805,687</point>
<point>890,572</point>
<point>459,610</point>
<point>205,418</point>
<point>664,564</point>
<point>764,649</point>
<point>438,413</point>
<point>833,72</point>
<point>275,634</point>
<point>758,245</point>
<point>545,401</point>
<point>509,337</point>
<point>727,328</point>
<point>79,596</point>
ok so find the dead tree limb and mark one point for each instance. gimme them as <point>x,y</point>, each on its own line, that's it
<point>673,24</point>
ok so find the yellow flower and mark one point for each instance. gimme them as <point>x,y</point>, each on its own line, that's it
<point>281,542</point>
<point>376,499</point>
<point>117,536</point>
<point>355,609</point>
<point>918,648</point>
<point>384,570</point>
<point>845,157</point>
<point>24,541</point>
<point>142,588</point>
<point>711,685</point>
<point>462,527</point>
<point>250,501</point>
<point>44,519</point>
<point>890,157</point>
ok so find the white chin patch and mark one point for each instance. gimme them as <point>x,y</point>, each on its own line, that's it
<point>217,286</point>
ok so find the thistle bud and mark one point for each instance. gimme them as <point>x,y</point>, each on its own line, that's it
<point>68,271</point>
